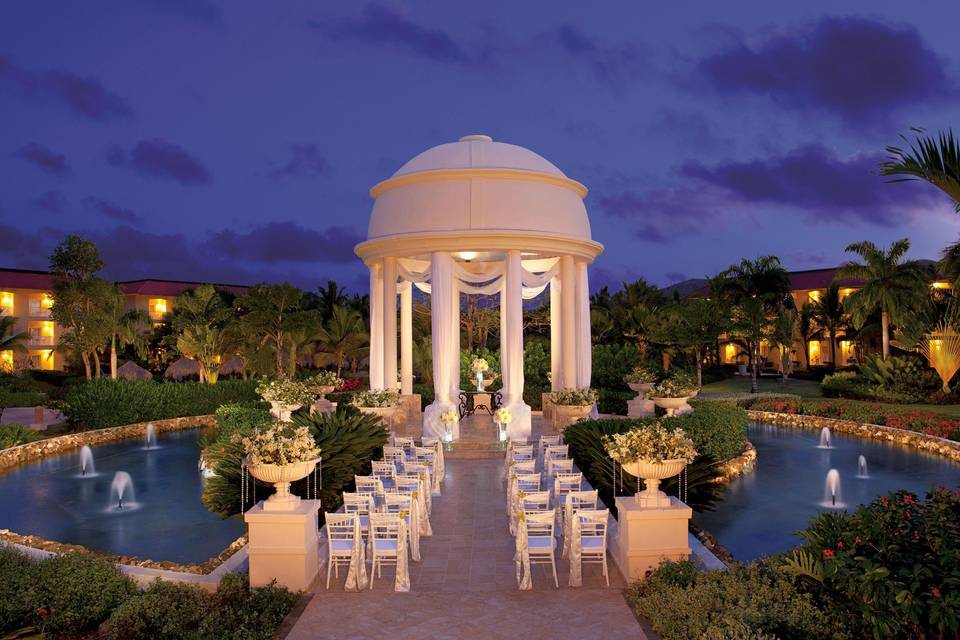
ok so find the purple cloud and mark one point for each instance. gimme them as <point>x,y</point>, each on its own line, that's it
<point>857,68</point>
<point>305,160</point>
<point>825,187</point>
<point>41,156</point>
<point>379,25</point>
<point>111,210</point>
<point>609,63</point>
<point>22,249</point>
<point>84,96</point>
<point>51,202</point>
<point>286,242</point>
<point>200,11</point>
<point>161,159</point>
<point>664,215</point>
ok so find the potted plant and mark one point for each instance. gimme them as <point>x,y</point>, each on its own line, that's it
<point>642,378</point>
<point>651,453</point>
<point>285,396</point>
<point>382,403</point>
<point>280,454</point>
<point>570,405</point>
<point>478,367</point>
<point>672,392</point>
<point>321,384</point>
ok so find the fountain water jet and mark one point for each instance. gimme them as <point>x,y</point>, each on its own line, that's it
<point>831,491</point>
<point>862,468</point>
<point>150,440</point>
<point>825,439</point>
<point>121,488</point>
<point>87,468</point>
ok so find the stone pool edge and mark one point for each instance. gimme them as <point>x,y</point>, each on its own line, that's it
<point>233,556</point>
<point>921,441</point>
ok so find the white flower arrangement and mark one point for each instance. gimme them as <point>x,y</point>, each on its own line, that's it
<point>652,443</point>
<point>449,418</point>
<point>502,416</point>
<point>280,444</point>
<point>574,397</point>
<point>643,373</point>
<point>375,398</point>
<point>479,365</point>
<point>285,391</point>
<point>324,379</point>
<point>677,385</point>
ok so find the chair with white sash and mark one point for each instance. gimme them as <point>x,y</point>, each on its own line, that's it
<point>561,466</point>
<point>383,470</point>
<point>519,453</point>
<point>518,468</point>
<point>371,485</point>
<point>388,547</point>
<point>396,455</point>
<point>410,486</point>
<point>546,441</point>
<point>428,456</point>
<point>523,484</point>
<point>573,502</point>
<point>406,444</point>
<point>564,483</point>
<point>535,501</point>
<point>541,543</point>
<point>554,452</point>
<point>405,506</point>
<point>589,543</point>
<point>343,545</point>
<point>361,506</point>
<point>422,471</point>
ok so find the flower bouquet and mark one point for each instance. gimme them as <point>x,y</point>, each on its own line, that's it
<point>285,396</point>
<point>478,367</point>
<point>280,454</point>
<point>651,453</point>
<point>502,417</point>
<point>449,418</point>
<point>672,392</point>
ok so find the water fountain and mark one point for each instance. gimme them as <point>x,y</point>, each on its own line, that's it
<point>831,491</point>
<point>121,489</point>
<point>825,439</point>
<point>150,440</point>
<point>862,468</point>
<point>87,468</point>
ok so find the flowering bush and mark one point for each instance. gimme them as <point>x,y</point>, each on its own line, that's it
<point>324,379</point>
<point>678,384</point>
<point>280,444</point>
<point>643,373</point>
<point>654,443</point>
<point>502,416</point>
<point>285,391</point>
<point>349,384</point>
<point>777,405</point>
<point>574,397</point>
<point>893,565</point>
<point>376,398</point>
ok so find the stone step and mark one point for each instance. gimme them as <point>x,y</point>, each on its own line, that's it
<point>473,454</point>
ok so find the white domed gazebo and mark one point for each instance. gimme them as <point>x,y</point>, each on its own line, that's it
<point>478,216</point>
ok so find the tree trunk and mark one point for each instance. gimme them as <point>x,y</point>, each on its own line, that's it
<point>665,360</point>
<point>754,384</point>
<point>699,368</point>
<point>833,349</point>
<point>278,356</point>
<point>340,359</point>
<point>96,364</point>
<point>86,364</point>
<point>885,331</point>
<point>806,353</point>
<point>113,358</point>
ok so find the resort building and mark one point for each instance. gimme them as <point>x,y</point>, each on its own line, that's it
<point>26,295</point>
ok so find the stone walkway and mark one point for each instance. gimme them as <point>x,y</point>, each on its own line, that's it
<point>465,587</point>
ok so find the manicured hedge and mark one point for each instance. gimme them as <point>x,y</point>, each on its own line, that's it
<point>71,595</point>
<point>109,403</point>
<point>717,429</point>
<point>21,398</point>
<point>898,417</point>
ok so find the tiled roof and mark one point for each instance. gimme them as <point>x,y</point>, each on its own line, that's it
<point>818,279</point>
<point>43,280</point>
<point>25,279</point>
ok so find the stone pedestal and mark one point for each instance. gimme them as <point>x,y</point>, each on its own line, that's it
<point>413,414</point>
<point>546,406</point>
<point>565,415</point>
<point>647,537</point>
<point>322,405</point>
<point>283,545</point>
<point>640,408</point>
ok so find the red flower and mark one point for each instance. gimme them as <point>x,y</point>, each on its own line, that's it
<point>857,539</point>
<point>42,611</point>
<point>840,544</point>
<point>828,553</point>
<point>908,498</point>
<point>935,592</point>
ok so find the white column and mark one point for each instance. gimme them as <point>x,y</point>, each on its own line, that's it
<point>441,325</point>
<point>520,426</point>
<point>376,325</point>
<point>568,321</point>
<point>390,323</point>
<point>504,361</point>
<point>556,347</point>
<point>584,343</point>
<point>455,340</point>
<point>406,338</point>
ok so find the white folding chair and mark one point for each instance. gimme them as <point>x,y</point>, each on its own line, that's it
<point>593,538</point>
<point>573,502</point>
<point>522,453</point>
<point>535,501</point>
<point>554,452</point>
<point>527,482</point>
<point>406,444</point>
<point>361,506</point>
<point>406,485</point>
<point>564,483</point>
<point>530,466</point>
<point>546,441</point>
<point>561,466</point>
<point>385,533</point>
<point>403,504</point>
<point>371,485</point>
<point>383,470</point>
<point>341,533</point>
<point>395,455</point>
<point>541,543</point>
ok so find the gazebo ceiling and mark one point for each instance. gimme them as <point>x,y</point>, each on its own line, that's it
<point>477,196</point>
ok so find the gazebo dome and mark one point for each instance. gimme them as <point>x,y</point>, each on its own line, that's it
<point>476,194</point>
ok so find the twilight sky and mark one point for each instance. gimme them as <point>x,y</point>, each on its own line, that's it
<point>236,141</point>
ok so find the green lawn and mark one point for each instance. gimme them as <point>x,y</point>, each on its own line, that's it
<point>804,389</point>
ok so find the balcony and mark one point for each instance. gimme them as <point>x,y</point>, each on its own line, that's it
<point>39,311</point>
<point>42,341</point>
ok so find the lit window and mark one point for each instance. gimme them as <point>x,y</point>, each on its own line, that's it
<point>46,329</point>
<point>157,307</point>
<point>814,296</point>
<point>940,284</point>
<point>730,352</point>
<point>814,352</point>
<point>845,292</point>
<point>846,350</point>
<point>6,303</point>
<point>47,359</point>
<point>46,301</point>
<point>6,361</point>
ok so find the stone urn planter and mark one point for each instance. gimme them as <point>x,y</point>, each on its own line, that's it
<point>281,476</point>
<point>282,410</point>
<point>321,404</point>
<point>640,387</point>
<point>652,473</point>
<point>566,414</point>
<point>386,414</point>
<point>674,405</point>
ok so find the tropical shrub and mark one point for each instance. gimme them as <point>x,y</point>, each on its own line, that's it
<point>375,398</point>
<point>348,441</point>
<point>18,571</point>
<point>103,402</point>
<point>893,565</point>
<point>747,601</point>
<point>536,365</point>
<point>233,417</point>
<point>21,398</point>
<point>613,401</point>
<point>13,434</point>
<point>612,363</point>
<point>286,391</point>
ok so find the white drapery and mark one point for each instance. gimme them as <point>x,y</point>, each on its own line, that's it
<point>406,338</point>
<point>390,323</point>
<point>376,326</point>
<point>584,355</point>
<point>555,336</point>
<point>441,324</point>
<point>512,325</point>
<point>455,344</point>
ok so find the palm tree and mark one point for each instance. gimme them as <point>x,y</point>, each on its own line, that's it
<point>936,161</point>
<point>806,330</point>
<point>343,337</point>
<point>890,284</point>
<point>333,295</point>
<point>271,311</point>
<point>829,314</point>
<point>120,327</point>
<point>302,338</point>
<point>205,329</point>
<point>698,325</point>
<point>782,333</point>
<point>10,341</point>
<point>751,320</point>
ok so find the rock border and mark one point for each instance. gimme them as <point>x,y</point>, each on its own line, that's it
<point>35,451</point>
<point>738,465</point>
<point>931,444</point>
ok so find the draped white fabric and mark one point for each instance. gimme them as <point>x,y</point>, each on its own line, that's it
<point>584,355</point>
<point>512,352</point>
<point>406,338</point>
<point>576,577</point>
<point>412,276</point>
<point>555,335</point>
<point>521,556</point>
<point>413,529</point>
<point>357,573</point>
<point>401,582</point>
<point>492,272</point>
<point>376,326</point>
<point>455,341</point>
<point>540,280</point>
<point>441,322</point>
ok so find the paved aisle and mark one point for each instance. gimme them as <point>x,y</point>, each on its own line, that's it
<point>465,587</point>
